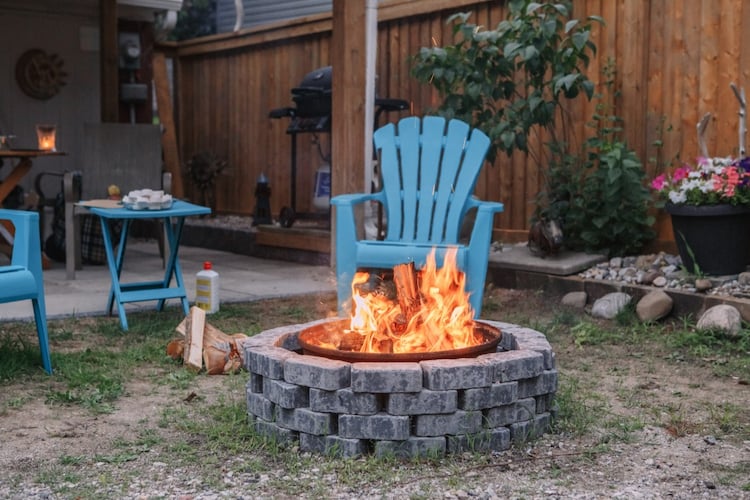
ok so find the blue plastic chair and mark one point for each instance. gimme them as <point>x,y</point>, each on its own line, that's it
<point>428,177</point>
<point>22,279</point>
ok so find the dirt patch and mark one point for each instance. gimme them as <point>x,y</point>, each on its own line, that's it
<point>643,421</point>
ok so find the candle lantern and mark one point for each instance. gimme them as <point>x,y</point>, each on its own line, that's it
<point>46,137</point>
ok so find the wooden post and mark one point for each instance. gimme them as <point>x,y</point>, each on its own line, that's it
<point>349,60</point>
<point>166,118</point>
<point>108,60</point>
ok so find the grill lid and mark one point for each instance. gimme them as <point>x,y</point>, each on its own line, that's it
<point>315,82</point>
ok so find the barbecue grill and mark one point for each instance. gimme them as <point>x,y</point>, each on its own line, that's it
<point>312,114</point>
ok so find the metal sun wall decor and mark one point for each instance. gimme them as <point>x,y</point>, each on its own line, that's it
<point>39,74</point>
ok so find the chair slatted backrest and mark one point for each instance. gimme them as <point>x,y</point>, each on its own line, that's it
<point>429,172</point>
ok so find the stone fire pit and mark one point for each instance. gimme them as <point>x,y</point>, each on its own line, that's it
<point>403,409</point>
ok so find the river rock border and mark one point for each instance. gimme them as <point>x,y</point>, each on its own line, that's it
<point>402,409</point>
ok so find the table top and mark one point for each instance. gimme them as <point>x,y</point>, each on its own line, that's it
<point>28,153</point>
<point>179,209</point>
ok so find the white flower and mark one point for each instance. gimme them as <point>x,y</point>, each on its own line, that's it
<point>677,196</point>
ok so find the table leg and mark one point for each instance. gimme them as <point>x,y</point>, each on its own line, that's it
<point>14,177</point>
<point>115,268</point>
<point>174,234</point>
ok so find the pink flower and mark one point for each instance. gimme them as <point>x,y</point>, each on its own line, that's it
<point>681,173</point>
<point>659,182</point>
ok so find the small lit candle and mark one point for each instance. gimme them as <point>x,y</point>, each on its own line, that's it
<point>46,137</point>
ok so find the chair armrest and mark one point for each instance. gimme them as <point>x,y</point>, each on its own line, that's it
<point>481,234</point>
<point>346,226</point>
<point>357,198</point>
<point>27,250</point>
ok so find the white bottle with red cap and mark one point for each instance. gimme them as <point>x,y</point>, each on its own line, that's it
<point>207,289</point>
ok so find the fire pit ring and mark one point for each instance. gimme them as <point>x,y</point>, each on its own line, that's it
<point>404,409</point>
<point>309,341</point>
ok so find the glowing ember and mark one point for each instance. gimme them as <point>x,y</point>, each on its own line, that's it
<point>432,312</point>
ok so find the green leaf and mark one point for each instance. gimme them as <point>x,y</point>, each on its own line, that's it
<point>571,24</point>
<point>511,49</point>
<point>530,52</point>
<point>532,7</point>
<point>579,39</point>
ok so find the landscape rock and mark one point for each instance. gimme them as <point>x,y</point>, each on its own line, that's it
<point>721,317</point>
<point>654,306</point>
<point>703,284</point>
<point>610,305</point>
<point>660,281</point>
<point>575,299</point>
<point>649,277</point>
<point>744,279</point>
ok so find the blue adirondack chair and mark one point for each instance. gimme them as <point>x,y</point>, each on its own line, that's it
<point>428,174</point>
<point>22,279</point>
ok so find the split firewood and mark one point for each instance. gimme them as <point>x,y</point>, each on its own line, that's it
<point>196,323</point>
<point>181,327</point>
<point>407,289</point>
<point>176,348</point>
<point>219,352</point>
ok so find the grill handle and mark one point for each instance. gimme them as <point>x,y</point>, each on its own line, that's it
<point>281,113</point>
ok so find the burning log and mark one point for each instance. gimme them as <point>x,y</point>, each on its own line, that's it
<point>352,342</point>
<point>407,289</point>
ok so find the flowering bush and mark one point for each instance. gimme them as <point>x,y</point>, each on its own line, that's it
<point>710,182</point>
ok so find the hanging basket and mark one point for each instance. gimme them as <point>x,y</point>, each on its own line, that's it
<point>716,238</point>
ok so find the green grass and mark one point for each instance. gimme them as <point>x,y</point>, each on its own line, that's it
<point>94,362</point>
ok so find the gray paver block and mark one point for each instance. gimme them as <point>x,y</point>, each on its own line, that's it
<point>344,401</point>
<point>285,394</point>
<point>268,361</point>
<point>306,420</point>
<point>463,373</point>
<point>260,406</point>
<point>425,401</point>
<point>270,430</point>
<point>255,383</point>
<point>545,383</point>
<point>378,426</point>
<point>386,377</point>
<point>333,445</point>
<point>313,371</point>
<point>545,403</point>
<point>411,448</point>
<point>497,439</point>
<point>458,422</point>
<point>514,365</point>
<point>520,411</point>
<point>497,394</point>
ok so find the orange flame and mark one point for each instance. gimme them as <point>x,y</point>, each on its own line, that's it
<point>441,320</point>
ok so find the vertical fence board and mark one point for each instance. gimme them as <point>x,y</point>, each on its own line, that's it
<point>674,62</point>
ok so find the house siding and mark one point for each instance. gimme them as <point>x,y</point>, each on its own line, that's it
<point>259,12</point>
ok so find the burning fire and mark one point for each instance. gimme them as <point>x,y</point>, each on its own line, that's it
<point>431,313</point>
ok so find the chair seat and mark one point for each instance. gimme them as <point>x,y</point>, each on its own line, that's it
<point>17,283</point>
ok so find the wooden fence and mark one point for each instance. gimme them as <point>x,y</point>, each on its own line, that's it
<point>674,62</point>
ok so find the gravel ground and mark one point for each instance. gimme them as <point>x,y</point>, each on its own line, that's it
<point>657,426</point>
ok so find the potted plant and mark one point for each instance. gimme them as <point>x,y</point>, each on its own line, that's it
<point>709,203</point>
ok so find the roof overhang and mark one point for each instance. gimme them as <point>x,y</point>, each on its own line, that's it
<point>141,10</point>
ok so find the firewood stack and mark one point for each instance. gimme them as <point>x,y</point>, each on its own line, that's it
<point>203,345</point>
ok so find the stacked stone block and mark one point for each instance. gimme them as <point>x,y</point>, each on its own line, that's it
<point>403,409</point>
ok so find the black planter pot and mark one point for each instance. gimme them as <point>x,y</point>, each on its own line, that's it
<point>715,237</point>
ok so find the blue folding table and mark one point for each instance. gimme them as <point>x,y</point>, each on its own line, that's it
<point>122,293</point>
